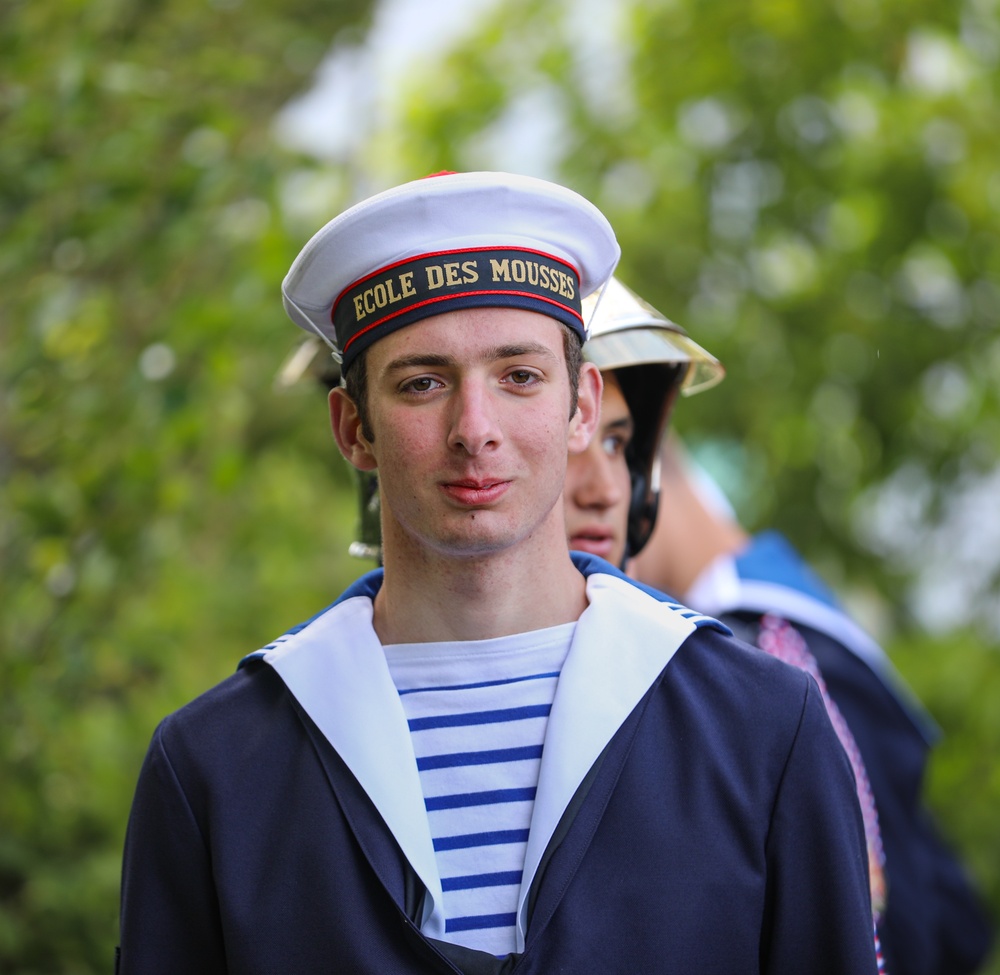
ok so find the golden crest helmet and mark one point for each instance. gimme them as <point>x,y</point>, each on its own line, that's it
<point>654,360</point>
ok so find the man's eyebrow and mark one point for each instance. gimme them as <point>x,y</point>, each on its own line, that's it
<point>496,353</point>
<point>521,349</point>
<point>419,360</point>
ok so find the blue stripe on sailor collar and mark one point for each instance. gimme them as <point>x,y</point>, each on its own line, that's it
<point>367,585</point>
<point>370,583</point>
<point>590,564</point>
<point>430,284</point>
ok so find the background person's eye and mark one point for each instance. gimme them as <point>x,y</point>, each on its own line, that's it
<point>613,445</point>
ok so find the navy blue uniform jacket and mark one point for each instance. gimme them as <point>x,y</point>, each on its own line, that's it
<point>934,922</point>
<point>716,832</point>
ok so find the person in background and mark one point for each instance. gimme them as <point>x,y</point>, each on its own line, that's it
<point>646,361</point>
<point>310,361</point>
<point>633,498</point>
<point>446,771</point>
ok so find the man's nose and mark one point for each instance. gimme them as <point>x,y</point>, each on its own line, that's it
<point>474,423</point>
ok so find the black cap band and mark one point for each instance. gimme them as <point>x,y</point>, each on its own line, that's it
<point>403,293</point>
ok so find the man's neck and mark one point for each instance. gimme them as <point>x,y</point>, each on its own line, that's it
<point>477,598</point>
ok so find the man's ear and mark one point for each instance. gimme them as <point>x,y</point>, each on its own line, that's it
<point>346,424</point>
<point>583,424</point>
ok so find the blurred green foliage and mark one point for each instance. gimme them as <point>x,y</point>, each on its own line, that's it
<point>164,508</point>
<point>813,191</point>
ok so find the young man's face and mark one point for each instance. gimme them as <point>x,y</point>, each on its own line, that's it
<point>598,487</point>
<point>469,413</point>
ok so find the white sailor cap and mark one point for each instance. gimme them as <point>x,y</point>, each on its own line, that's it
<point>454,240</point>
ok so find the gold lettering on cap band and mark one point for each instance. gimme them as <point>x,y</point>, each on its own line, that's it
<point>415,288</point>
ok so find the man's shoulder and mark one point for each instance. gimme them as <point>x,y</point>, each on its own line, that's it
<point>626,588</point>
<point>736,661</point>
<point>255,696</point>
<point>366,587</point>
<point>711,656</point>
<point>242,700</point>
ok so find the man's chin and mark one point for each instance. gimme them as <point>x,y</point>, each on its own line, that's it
<point>476,544</point>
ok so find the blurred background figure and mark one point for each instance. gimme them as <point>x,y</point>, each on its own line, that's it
<point>311,360</point>
<point>933,920</point>
<point>612,488</point>
<point>930,919</point>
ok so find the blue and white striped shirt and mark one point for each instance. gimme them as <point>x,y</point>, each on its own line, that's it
<point>477,713</point>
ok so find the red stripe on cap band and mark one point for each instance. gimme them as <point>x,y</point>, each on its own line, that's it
<point>448,253</point>
<point>450,297</point>
<point>523,275</point>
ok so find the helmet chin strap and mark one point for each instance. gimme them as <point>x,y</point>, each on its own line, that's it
<point>641,514</point>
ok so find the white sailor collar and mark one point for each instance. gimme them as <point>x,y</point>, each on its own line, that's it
<point>335,668</point>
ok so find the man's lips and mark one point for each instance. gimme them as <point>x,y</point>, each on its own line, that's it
<point>473,492</point>
<point>596,541</point>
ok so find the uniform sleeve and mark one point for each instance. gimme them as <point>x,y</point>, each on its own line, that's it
<point>819,908</point>
<point>169,912</point>
<point>935,920</point>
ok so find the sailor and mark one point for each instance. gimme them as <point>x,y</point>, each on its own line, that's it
<point>446,770</point>
<point>635,497</point>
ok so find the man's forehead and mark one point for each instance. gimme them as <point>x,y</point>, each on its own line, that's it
<point>472,335</point>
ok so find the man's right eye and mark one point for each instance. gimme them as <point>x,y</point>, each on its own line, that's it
<point>421,384</point>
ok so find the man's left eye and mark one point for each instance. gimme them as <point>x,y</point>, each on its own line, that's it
<point>522,376</point>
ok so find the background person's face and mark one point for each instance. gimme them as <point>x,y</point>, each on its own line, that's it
<point>598,486</point>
